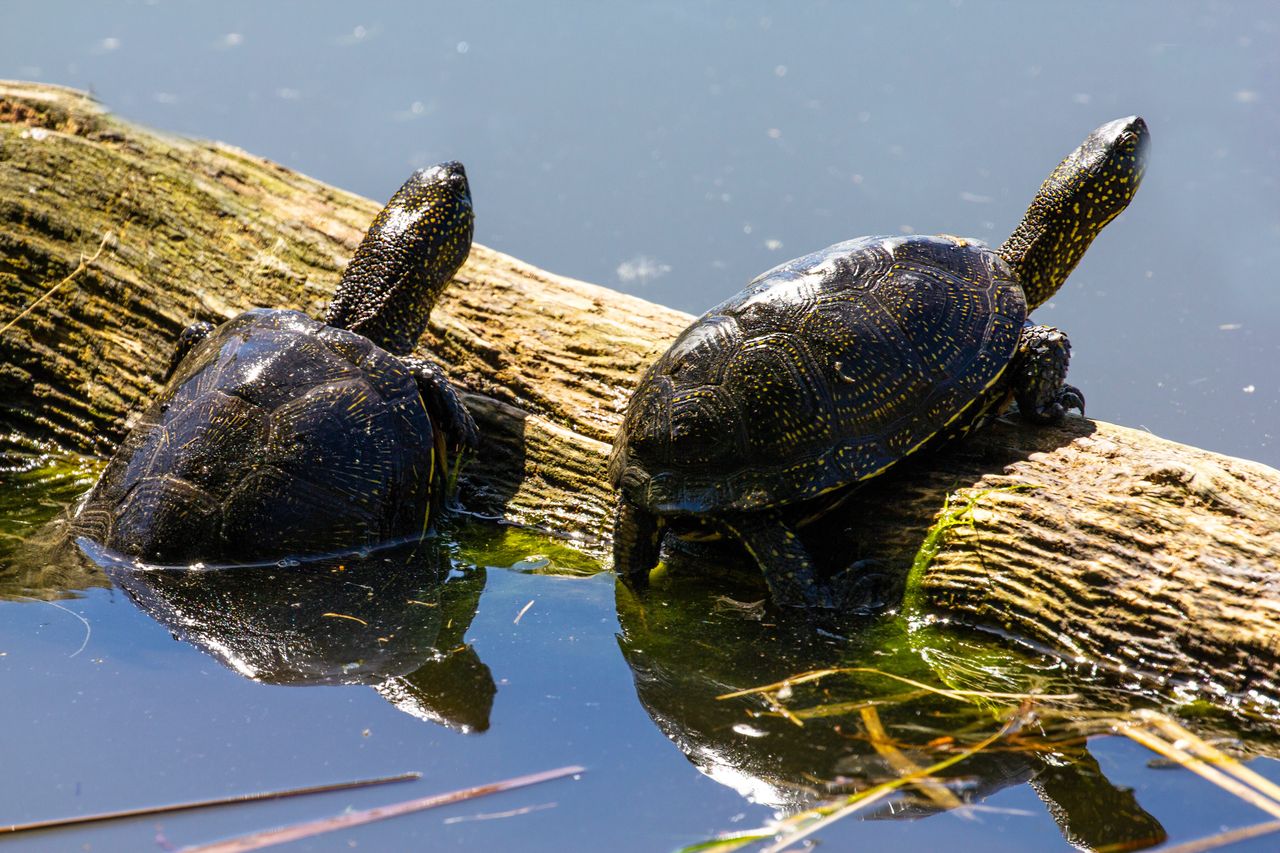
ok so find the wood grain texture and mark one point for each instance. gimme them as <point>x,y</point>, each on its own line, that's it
<point>1128,550</point>
<point>1149,556</point>
<point>202,231</point>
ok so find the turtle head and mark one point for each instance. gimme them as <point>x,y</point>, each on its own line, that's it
<point>1087,190</point>
<point>409,254</point>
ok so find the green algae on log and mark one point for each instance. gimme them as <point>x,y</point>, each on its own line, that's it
<point>1133,551</point>
<point>201,230</point>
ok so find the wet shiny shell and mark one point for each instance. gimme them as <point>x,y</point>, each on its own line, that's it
<point>822,372</point>
<point>277,435</point>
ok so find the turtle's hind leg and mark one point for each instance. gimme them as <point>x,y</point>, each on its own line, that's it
<point>637,539</point>
<point>788,569</point>
<point>1040,375</point>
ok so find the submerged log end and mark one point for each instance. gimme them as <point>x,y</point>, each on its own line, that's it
<point>1126,549</point>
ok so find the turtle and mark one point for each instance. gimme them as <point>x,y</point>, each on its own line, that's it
<point>277,435</point>
<point>828,370</point>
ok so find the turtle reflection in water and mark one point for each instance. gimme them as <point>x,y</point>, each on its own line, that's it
<point>832,368</point>
<point>278,436</point>
<point>393,619</point>
<point>684,652</point>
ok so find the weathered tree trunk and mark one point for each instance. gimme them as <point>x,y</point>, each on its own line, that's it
<point>1126,548</point>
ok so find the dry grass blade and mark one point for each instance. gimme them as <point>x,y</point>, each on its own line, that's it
<point>1222,839</point>
<point>818,674</point>
<point>803,824</point>
<point>84,264</point>
<point>791,681</point>
<point>1152,741</point>
<point>725,843</point>
<point>58,823</point>
<point>854,804</point>
<point>345,616</point>
<point>939,793</point>
<point>281,835</point>
<point>1210,753</point>
<point>840,709</point>
<point>808,822</point>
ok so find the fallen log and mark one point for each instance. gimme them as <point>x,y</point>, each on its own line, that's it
<point>1121,548</point>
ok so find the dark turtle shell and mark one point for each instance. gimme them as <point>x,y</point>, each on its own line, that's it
<point>277,435</point>
<point>822,372</point>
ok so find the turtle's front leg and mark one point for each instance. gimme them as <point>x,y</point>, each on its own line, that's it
<point>448,413</point>
<point>637,542</point>
<point>191,335</point>
<point>788,569</point>
<point>1040,375</point>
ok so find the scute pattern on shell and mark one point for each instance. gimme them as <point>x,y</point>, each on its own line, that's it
<point>277,435</point>
<point>822,372</point>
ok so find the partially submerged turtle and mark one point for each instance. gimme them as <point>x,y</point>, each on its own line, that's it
<point>830,369</point>
<point>277,435</point>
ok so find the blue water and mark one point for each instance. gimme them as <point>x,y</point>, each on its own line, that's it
<point>114,712</point>
<point>674,151</point>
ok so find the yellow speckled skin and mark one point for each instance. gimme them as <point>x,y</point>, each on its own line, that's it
<point>412,249</point>
<point>1088,189</point>
<point>831,368</point>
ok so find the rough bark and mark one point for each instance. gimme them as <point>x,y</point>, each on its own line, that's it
<point>199,230</point>
<point>1119,547</point>
<point>1127,549</point>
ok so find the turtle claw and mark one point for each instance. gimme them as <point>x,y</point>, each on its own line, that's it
<point>1040,370</point>
<point>444,404</point>
<point>1070,397</point>
<point>461,428</point>
<point>864,587</point>
<point>1067,398</point>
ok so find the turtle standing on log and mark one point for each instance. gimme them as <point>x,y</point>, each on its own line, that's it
<point>279,436</point>
<point>830,369</point>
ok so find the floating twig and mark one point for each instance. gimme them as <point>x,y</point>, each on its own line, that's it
<point>281,835</point>
<point>58,823</point>
<point>345,616</point>
<point>88,630</point>
<point>523,611</point>
<point>500,815</point>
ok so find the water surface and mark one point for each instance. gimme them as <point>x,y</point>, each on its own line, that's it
<point>674,151</point>
<point>494,652</point>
